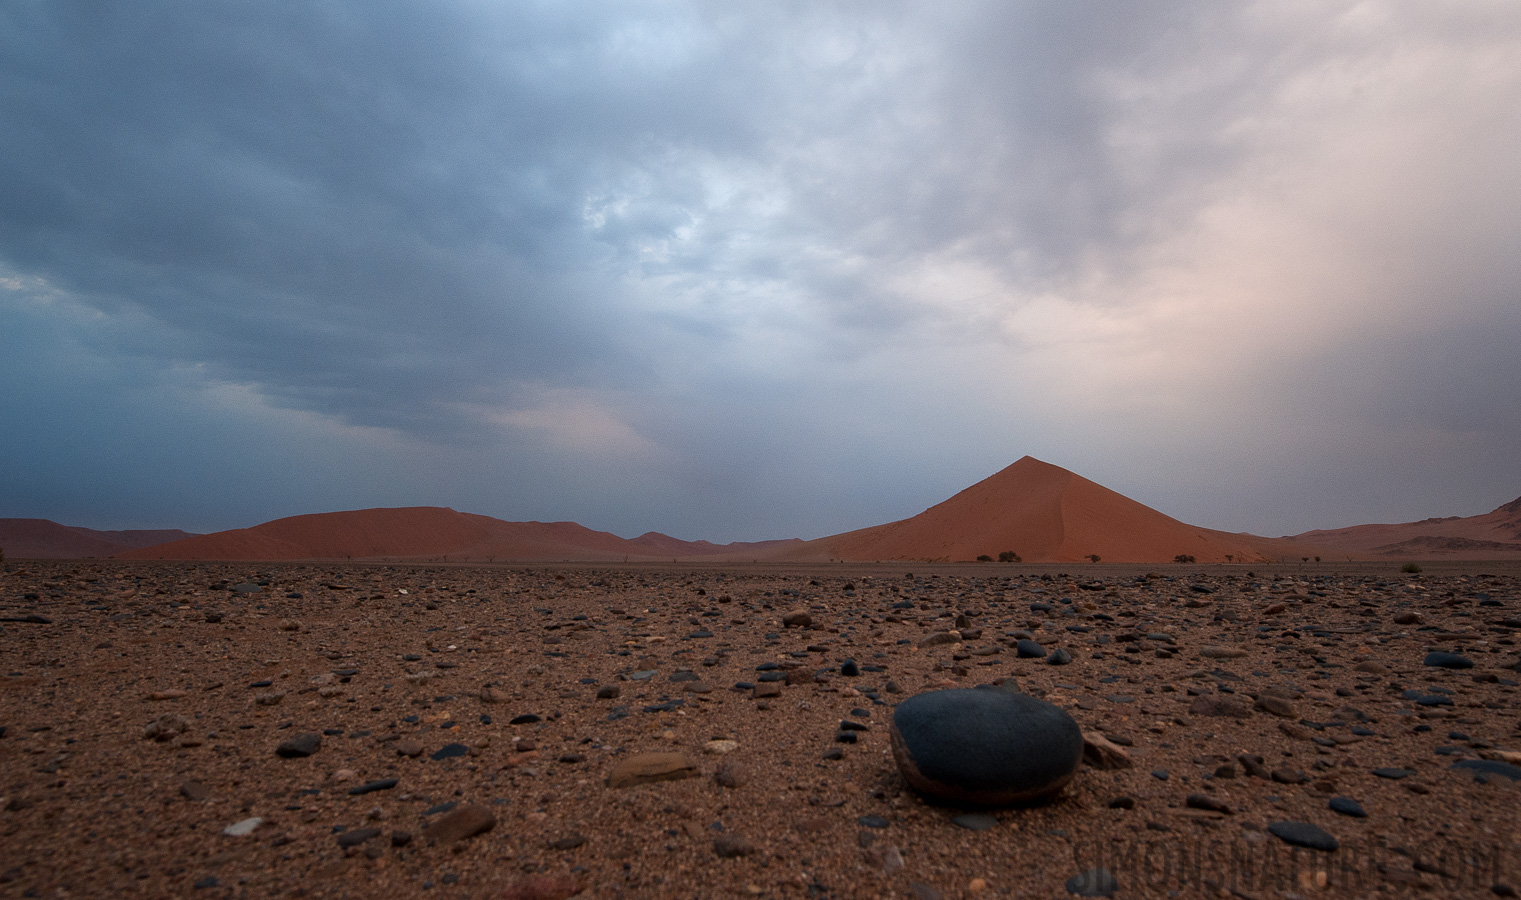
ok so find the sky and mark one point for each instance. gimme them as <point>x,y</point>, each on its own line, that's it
<point>752,270</point>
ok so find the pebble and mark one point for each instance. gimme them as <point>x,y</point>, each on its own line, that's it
<point>985,747</point>
<point>243,828</point>
<point>1099,882</point>
<point>1392,773</point>
<point>459,823</point>
<point>975,821</point>
<point>1215,652</point>
<point>1025,648</point>
<point>347,839</point>
<point>409,748</point>
<point>731,773</point>
<point>1059,657</point>
<point>384,784</point>
<point>720,747</point>
<point>1348,807</point>
<point>1205,801</point>
<point>450,751</point>
<point>304,744</point>
<point>608,692</point>
<point>644,768</point>
<point>1303,834</point>
<point>1102,753</point>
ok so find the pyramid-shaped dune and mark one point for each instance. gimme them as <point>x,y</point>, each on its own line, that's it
<point>1044,513</point>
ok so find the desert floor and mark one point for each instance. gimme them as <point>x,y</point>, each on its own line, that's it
<point>142,705</point>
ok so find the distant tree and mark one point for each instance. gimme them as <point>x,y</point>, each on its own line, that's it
<point>1304,559</point>
<point>1410,569</point>
<point>984,558</point>
<point>1008,556</point>
<point>1317,559</point>
<point>1094,557</point>
<point>1230,557</point>
<point>1184,558</point>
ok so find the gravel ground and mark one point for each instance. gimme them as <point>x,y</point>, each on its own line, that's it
<point>144,708</point>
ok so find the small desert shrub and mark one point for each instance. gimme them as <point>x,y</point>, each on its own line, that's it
<point>1094,557</point>
<point>1410,569</point>
<point>1008,556</point>
<point>984,558</point>
<point>1183,558</point>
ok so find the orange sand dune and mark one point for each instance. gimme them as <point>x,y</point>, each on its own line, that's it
<point>1493,535</point>
<point>422,532</point>
<point>1044,513</point>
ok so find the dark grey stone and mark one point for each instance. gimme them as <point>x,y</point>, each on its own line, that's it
<point>1444,660</point>
<point>1303,834</point>
<point>1348,807</point>
<point>1481,767</point>
<point>1028,649</point>
<point>300,745</point>
<point>984,747</point>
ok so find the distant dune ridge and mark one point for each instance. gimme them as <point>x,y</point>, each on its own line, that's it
<point>45,539</point>
<point>1041,512</point>
<point>1493,535</point>
<point>429,532</point>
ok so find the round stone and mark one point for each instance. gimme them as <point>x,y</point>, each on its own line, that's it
<point>984,747</point>
<point>1028,649</point>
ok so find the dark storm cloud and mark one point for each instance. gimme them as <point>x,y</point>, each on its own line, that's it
<point>737,271</point>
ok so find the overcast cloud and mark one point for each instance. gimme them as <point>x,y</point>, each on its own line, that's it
<point>739,271</point>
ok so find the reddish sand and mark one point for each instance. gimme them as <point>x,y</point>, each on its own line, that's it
<point>422,532</point>
<point>46,539</point>
<point>1044,513</point>
<point>1494,535</point>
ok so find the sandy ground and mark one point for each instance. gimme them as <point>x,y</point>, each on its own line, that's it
<point>143,705</point>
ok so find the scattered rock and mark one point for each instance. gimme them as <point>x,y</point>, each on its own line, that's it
<point>1443,660</point>
<point>459,823</point>
<point>1217,652</point>
<point>645,768</point>
<point>166,727</point>
<point>796,619</point>
<point>1059,657</point>
<point>975,821</point>
<point>304,744</point>
<point>243,828</point>
<point>347,839</point>
<point>1303,834</point>
<point>1025,648</point>
<point>1347,807</point>
<point>410,748</point>
<point>1101,753</point>
<point>984,747</point>
<point>1205,801</point>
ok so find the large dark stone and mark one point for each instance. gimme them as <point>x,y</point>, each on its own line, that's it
<point>1445,660</point>
<point>985,747</point>
<point>1303,834</point>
